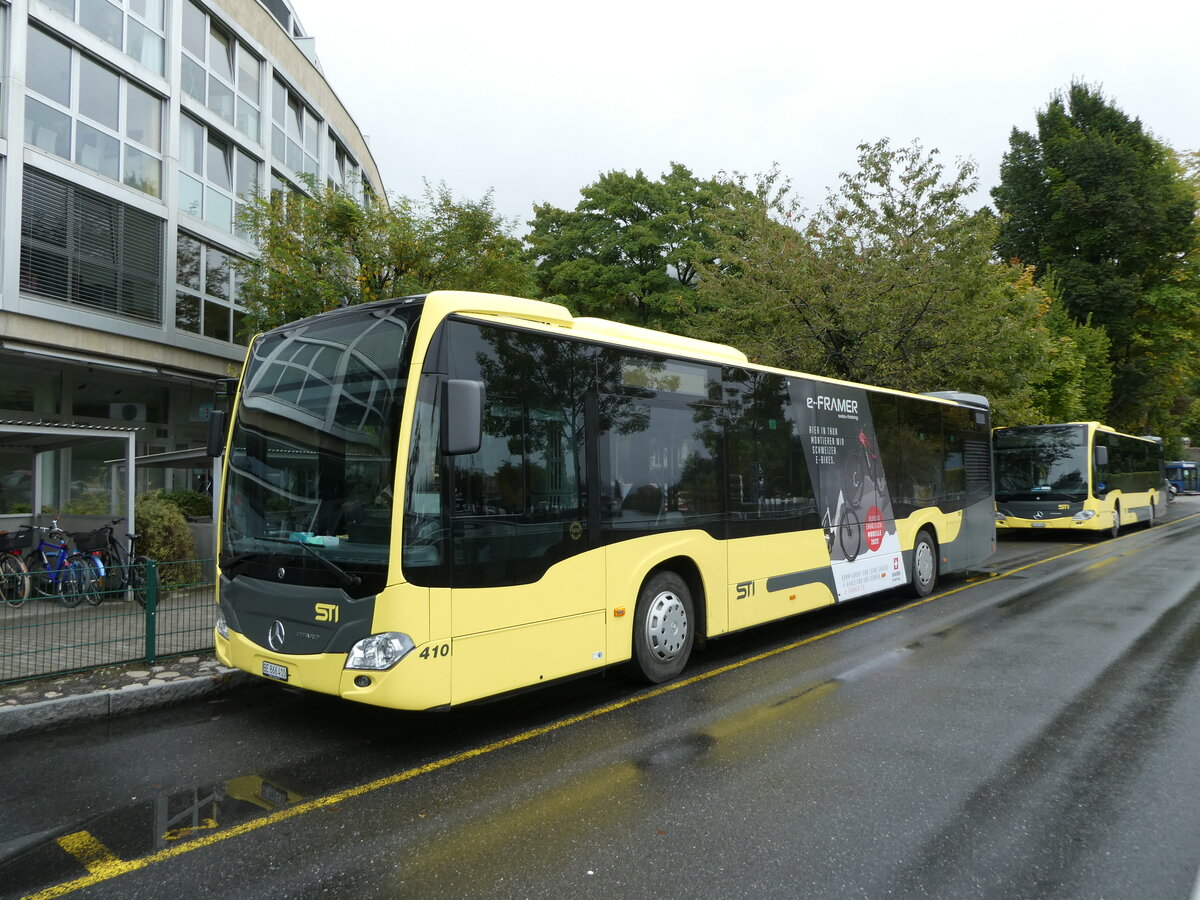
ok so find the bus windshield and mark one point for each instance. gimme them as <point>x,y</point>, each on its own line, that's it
<point>1046,462</point>
<point>312,450</point>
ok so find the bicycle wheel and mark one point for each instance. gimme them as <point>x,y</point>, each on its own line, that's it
<point>136,579</point>
<point>92,584</point>
<point>14,580</point>
<point>40,582</point>
<point>71,583</point>
<point>114,572</point>
<point>850,535</point>
<point>857,478</point>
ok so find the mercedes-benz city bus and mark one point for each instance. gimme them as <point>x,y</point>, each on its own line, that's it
<point>431,500</point>
<point>1077,476</point>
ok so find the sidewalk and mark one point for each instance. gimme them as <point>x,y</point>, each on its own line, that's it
<point>58,701</point>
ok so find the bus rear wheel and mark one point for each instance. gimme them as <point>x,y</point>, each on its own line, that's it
<point>1116,523</point>
<point>664,627</point>
<point>924,565</point>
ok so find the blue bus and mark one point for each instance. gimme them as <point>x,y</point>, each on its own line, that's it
<point>1184,476</point>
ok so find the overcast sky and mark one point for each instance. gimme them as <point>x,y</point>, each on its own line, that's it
<point>534,100</point>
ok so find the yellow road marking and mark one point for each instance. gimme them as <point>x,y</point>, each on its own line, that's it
<point>113,867</point>
<point>176,833</point>
<point>94,856</point>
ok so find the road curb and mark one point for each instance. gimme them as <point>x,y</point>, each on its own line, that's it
<point>63,711</point>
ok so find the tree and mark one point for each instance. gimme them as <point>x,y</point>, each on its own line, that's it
<point>631,248</point>
<point>1076,381</point>
<point>892,282</point>
<point>1097,202</point>
<point>324,250</point>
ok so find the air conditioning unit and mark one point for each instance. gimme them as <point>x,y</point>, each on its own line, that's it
<point>127,412</point>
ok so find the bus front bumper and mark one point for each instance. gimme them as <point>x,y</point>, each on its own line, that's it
<point>400,687</point>
<point>1064,523</point>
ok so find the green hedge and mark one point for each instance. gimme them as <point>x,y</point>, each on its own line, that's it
<point>165,536</point>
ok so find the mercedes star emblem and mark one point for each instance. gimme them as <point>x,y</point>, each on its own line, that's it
<point>275,636</point>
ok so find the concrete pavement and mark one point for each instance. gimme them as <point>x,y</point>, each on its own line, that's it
<point>59,701</point>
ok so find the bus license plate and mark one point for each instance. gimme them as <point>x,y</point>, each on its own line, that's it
<point>276,671</point>
<point>1038,524</point>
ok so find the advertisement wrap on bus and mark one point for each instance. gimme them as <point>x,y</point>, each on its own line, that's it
<point>851,488</point>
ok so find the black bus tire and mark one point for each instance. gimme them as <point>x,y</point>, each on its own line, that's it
<point>664,627</point>
<point>924,565</point>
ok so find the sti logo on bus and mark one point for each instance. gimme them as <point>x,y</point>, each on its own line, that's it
<point>835,404</point>
<point>326,612</point>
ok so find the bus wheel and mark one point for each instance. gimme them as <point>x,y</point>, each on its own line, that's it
<point>664,627</point>
<point>924,565</point>
<point>1153,512</point>
<point>1116,525</point>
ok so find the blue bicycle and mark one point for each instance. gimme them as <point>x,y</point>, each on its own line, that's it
<point>58,572</point>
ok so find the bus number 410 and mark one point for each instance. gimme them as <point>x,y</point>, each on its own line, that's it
<point>435,651</point>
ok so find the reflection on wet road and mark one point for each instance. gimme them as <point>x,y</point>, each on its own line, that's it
<point>1028,731</point>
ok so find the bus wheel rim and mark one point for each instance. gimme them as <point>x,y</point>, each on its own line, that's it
<point>666,626</point>
<point>923,562</point>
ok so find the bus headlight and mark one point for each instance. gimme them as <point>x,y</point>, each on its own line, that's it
<point>379,651</point>
<point>222,626</point>
<point>1084,514</point>
<point>999,516</point>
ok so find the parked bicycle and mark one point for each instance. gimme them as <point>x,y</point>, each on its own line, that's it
<point>58,572</point>
<point>14,576</point>
<point>120,566</point>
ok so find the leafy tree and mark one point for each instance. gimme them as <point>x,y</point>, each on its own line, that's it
<point>1097,202</point>
<point>1076,382</point>
<point>325,250</point>
<point>892,282</point>
<point>632,247</point>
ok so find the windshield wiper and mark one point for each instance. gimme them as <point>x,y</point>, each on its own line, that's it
<point>347,579</point>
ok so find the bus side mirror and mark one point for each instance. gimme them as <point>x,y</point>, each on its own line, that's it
<point>1100,456</point>
<point>216,433</point>
<point>462,417</point>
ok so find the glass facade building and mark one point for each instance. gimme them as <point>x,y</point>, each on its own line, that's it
<point>130,133</point>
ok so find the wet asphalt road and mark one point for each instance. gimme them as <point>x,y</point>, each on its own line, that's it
<point>1031,731</point>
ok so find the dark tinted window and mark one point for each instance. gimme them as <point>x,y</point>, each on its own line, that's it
<point>922,452</point>
<point>768,484</point>
<point>660,464</point>
<point>519,504</point>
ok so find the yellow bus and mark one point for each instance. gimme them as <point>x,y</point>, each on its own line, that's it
<point>431,500</point>
<point>1077,475</point>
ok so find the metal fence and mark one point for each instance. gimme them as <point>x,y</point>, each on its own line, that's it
<point>42,636</point>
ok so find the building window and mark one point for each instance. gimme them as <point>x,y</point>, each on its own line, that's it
<point>82,111</point>
<point>207,301</point>
<point>220,72</point>
<point>344,171</point>
<point>90,250</point>
<point>213,174</point>
<point>295,131</point>
<point>134,27</point>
